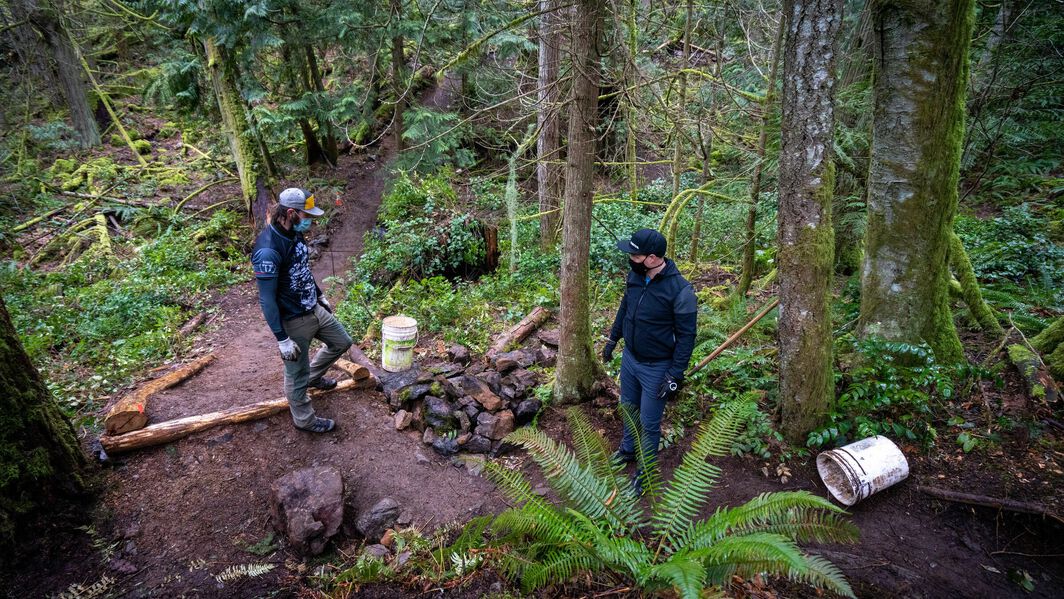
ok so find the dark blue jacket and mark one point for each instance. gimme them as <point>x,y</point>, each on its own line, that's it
<point>658,319</point>
<point>282,272</point>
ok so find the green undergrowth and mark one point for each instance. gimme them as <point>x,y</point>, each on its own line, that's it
<point>96,322</point>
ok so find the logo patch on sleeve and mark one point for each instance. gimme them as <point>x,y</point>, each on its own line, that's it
<point>265,268</point>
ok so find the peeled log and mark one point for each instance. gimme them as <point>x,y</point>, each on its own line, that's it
<point>172,430</point>
<point>130,412</point>
<point>357,372</point>
<point>523,329</point>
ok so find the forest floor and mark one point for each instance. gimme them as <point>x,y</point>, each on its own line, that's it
<point>170,519</point>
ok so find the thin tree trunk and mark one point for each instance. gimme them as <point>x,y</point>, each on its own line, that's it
<point>48,23</point>
<point>629,117</point>
<point>921,73</point>
<point>681,101</point>
<point>39,452</point>
<point>398,67</point>
<point>242,141</point>
<point>325,128</point>
<point>806,237</point>
<point>577,366</point>
<point>548,145</point>
<point>749,244</point>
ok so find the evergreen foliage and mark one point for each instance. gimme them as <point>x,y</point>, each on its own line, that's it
<point>600,526</point>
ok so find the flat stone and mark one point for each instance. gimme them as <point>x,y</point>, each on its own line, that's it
<point>479,390</point>
<point>493,380</point>
<point>446,369</point>
<point>549,337</point>
<point>378,551</point>
<point>307,507</point>
<point>495,426</point>
<point>403,420</point>
<point>507,361</point>
<point>526,411</point>
<point>477,444</point>
<point>372,523</point>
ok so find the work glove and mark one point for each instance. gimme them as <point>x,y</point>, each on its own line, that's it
<point>325,303</point>
<point>289,350</point>
<point>670,388</point>
<point>607,350</point>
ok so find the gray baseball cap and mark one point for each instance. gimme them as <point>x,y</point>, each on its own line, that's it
<point>293,197</point>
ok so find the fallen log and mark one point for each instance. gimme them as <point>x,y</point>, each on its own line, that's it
<point>130,412</point>
<point>172,430</point>
<point>727,342</point>
<point>1009,505</point>
<point>357,372</point>
<point>1040,384</point>
<point>189,327</point>
<point>526,327</point>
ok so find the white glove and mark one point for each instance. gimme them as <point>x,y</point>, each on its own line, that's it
<point>325,304</point>
<point>289,350</point>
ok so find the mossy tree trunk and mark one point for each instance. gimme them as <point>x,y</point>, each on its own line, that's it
<point>242,140</point>
<point>577,365</point>
<point>921,66</point>
<point>1050,342</point>
<point>746,276</point>
<point>40,460</point>
<point>806,237</point>
<point>548,145</point>
<point>43,16</point>
<point>970,292</point>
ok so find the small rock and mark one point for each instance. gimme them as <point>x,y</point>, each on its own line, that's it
<point>474,464</point>
<point>495,588</point>
<point>472,410</point>
<point>388,538</point>
<point>403,420</point>
<point>446,369</point>
<point>502,447</point>
<point>259,426</point>
<point>428,436</point>
<point>446,387</point>
<point>476,368</point>
<point>508,392</point>
<point>378,551</point>
<point>220,439</point>
<point>495,426</point>
<point>446,445</point>
<point>401,559</point>
<point>464,424</point>
<point>546,356</point>
<point>507,361</point>
<point>130,548</point>
<point>549,337</point>
<point>464,438</point>
<point>121,566</point>
<point>307,507</point>
<point>438,413</point>
<point>421,458</point>
<point>540,490</point>
<point>492,379</point>
<point>479,390</point>
<point>526,411</point>
<point>458,353</point>
<point>405,518</point>
<point>372,523</point>
<point>477,444</point>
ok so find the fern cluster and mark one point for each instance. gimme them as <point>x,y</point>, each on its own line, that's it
<point>602,528</point>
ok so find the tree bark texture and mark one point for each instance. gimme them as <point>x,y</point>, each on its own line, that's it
<point>39,455</point>
<point>242,141</point>
<point>746,276</point>
<point>576,366</point>
<point>46,21</point>
<point>398,67</point>
<point>921,66</point>
<point>548,145</point>
<point>806,237</point>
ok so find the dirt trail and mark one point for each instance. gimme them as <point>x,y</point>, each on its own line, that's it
<point>186,510</point>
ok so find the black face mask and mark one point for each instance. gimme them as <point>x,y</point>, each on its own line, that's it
<point>638,267</point>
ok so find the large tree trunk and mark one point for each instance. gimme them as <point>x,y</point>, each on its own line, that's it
<point>749,245</point>
<point>39,454</point>
<point>548,145</point>
<point>921,73</point>
<point>576,367</point>
<point>806,238</point>
<point>242,141</point>
<point>46,20</point>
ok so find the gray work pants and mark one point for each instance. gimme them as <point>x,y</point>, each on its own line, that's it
<point>298,374</point>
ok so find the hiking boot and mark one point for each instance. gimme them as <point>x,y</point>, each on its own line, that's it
<point>324,383</point>
<point>620,458</point>
<point>320,425</point>
<point>637,484</point>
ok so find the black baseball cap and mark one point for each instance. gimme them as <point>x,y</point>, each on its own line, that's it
<point>644,242</point>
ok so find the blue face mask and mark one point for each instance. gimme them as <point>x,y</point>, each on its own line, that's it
<point>302,226</point>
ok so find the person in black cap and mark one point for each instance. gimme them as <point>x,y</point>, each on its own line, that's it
<point>294,307</point>
<point>657,320</point>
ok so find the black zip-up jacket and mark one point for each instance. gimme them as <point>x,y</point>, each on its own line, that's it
<point>658,319</point>
<point>282,272</point>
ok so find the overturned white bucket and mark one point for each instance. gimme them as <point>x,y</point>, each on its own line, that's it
<point>399,336</point>
<point>858,470</point>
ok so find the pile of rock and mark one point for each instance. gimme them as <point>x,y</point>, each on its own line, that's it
<point>468,406</point>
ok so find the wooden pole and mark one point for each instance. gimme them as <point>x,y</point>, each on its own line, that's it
<point>130,412</point>
<point>727,342</point>
<point>172,430</point>
<point>528,324</point>
<point>1009,505</point>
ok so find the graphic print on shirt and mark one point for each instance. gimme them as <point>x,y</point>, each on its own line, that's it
<point>300,279</point>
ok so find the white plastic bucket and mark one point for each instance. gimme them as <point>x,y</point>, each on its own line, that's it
<point>858,470</point>
<point>399,336</point>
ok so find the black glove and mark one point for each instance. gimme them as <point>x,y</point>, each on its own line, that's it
<point>607,350</point>
<point>670,388</point>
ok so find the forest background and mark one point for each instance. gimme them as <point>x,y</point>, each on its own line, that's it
<point>143,141</point>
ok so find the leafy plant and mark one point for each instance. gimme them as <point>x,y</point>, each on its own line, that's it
<point>600,527</point>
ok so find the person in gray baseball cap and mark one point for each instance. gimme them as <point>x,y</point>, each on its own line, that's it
<point>294,306</point>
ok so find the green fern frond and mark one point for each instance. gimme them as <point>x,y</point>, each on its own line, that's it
<point>591,495</point>
<point>557,567</point>
<point>823,574</point>
<point>589,445</point>
<point>685,575</point>
<point>748,555</point>
<point>799,515</point>
<point>535,516</point>
<point>695,477</point>
<point>624,553</point>
<point>650,471</point>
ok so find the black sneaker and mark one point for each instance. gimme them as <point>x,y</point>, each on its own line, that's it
<point>324,383</point>
<point>619,458</point>
<point>320,425</point>
<point>637,484</point>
